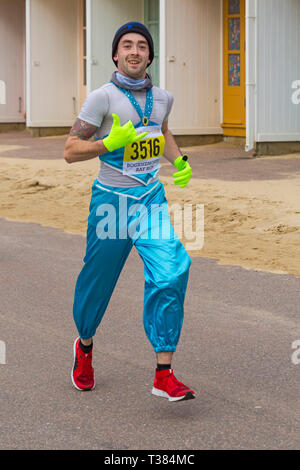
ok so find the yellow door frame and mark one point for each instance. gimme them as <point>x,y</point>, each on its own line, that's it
<point>234,98</point>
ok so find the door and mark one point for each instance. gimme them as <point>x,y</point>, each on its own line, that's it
<point>234,103</point>
<point>12,61</point>
<point>52,51</point>
<point>82,42</point>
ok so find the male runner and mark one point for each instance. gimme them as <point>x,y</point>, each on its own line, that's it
<point>129,119</point>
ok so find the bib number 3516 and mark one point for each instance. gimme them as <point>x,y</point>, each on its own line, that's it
<point>143,156</point>
<point>145,149</point>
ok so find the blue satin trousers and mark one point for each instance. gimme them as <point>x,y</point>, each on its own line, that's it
<point>119,219</point>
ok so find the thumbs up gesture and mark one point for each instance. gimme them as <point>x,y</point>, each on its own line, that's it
<point>120,136</point>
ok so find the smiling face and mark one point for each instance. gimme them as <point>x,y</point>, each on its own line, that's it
<point>133,55</point>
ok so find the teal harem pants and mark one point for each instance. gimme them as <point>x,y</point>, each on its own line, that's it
<point>120,218</point>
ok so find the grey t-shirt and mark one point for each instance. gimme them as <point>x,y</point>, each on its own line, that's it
<point>97,110</point>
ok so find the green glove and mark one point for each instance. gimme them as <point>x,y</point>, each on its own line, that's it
<point>183,176</point>
<point>120,136</point>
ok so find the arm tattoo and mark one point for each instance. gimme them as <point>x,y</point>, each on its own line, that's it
<point>83,129</point>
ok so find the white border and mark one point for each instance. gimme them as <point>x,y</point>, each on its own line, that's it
<point>221,63</point>
<point>251,72</point>
<point>127,195</point>
<point>256,72</point>
<point>78,57</point>
<point>162,44</point>
<point>2,92</point>
<point>88,46</point>
<point>28,62</point>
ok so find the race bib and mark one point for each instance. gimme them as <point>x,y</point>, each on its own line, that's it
<point>144,155</point>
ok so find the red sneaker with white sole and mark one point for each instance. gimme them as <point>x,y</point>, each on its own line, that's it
<point>82,374</point>
<point>167,386</point>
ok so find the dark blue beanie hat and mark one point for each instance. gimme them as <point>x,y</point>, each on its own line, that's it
<point>133,27</point>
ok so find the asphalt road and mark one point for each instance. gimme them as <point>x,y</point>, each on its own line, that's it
<point>235,351</point>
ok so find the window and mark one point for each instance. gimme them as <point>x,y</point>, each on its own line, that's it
<point>151,20</point>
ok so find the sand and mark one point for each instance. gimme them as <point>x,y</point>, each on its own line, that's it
<point>253,224</point>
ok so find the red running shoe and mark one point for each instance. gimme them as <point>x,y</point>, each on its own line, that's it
<point>82,374</point>
<point>166,385</point>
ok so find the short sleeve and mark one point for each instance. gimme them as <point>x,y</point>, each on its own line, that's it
<point>170,99</point>
<point>95,107</point>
